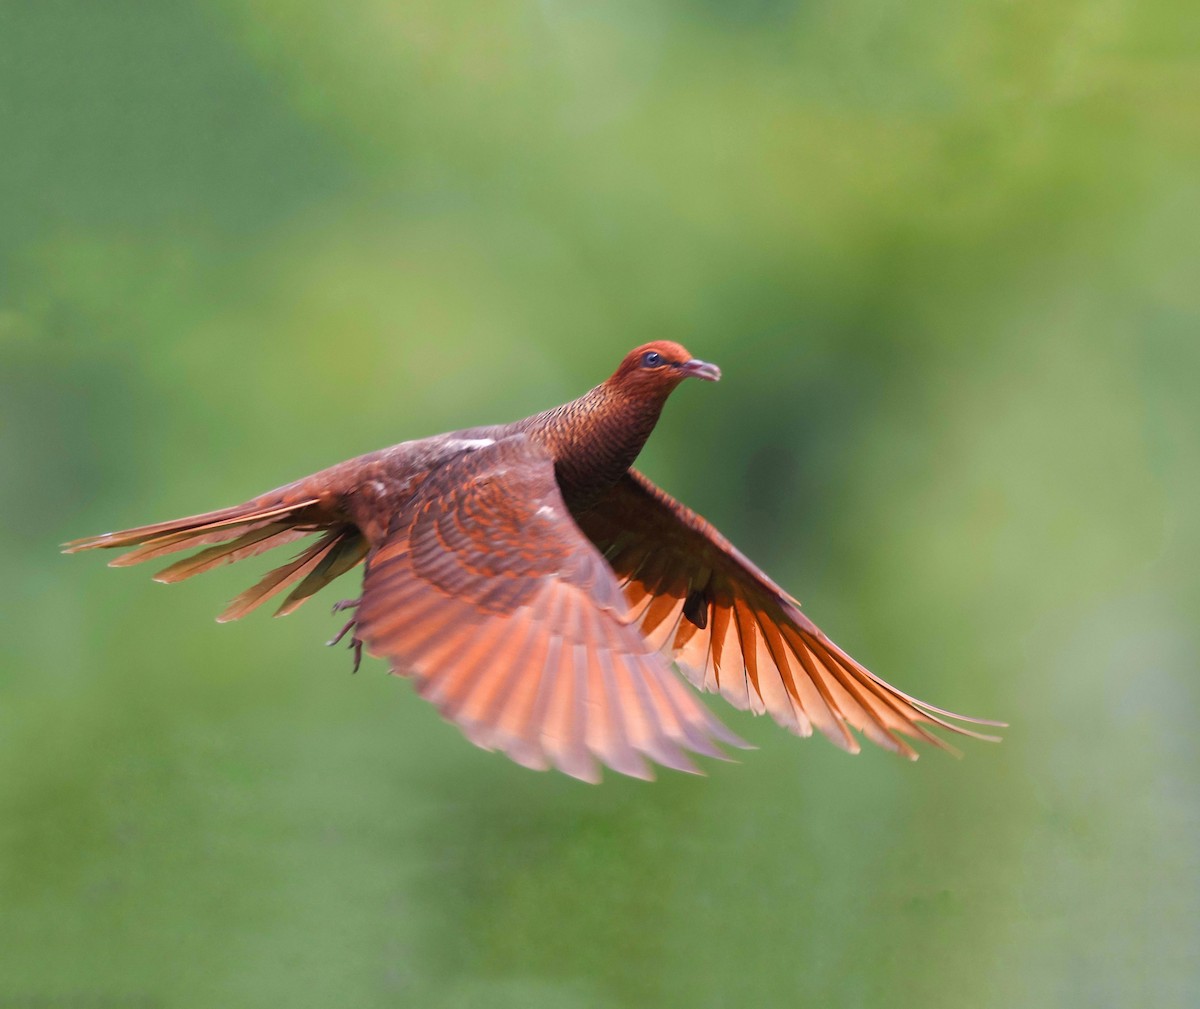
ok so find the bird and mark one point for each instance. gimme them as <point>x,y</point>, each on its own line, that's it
<point>543,593</point>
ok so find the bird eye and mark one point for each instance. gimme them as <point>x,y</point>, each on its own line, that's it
<point>651,359</point>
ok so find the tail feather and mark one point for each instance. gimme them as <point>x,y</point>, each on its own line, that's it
<point>275,581</point>
<point>232,534</point>
<point>189,530</point>
<point>343,555</point>
<point>252,542</point>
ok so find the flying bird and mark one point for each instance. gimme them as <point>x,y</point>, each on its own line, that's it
<point>537,590</point>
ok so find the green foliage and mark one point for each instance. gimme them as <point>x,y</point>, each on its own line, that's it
<point>946,255</point>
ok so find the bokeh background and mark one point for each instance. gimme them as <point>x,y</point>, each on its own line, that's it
<point>947,255</point>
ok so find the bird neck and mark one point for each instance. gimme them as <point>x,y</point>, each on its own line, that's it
<point>595,439</point>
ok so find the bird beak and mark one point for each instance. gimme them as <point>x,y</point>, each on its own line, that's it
<point>701,369</point>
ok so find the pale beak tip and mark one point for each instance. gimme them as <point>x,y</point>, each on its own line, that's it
<point>702,369</point>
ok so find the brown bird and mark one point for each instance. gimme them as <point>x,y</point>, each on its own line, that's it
<point>537,589</point>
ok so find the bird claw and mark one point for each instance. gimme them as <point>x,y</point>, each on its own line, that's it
<point>355,641</point>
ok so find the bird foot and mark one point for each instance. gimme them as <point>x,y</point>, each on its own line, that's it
<point>355,641</point>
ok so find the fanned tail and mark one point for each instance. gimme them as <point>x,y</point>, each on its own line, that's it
<point>232,534</point>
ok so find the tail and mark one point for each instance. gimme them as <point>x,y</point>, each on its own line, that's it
<point>244,531</point>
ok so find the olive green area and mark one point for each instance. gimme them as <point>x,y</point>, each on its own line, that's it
<point>947,256</point>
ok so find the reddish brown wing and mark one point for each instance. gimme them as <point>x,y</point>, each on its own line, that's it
<point>731,629</point>
<point>486,593</point>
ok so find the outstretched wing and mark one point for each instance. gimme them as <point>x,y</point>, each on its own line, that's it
<point>485,592</point>
<point>733,630</point>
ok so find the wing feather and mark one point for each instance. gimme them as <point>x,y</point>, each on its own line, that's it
<point>735,632</point>
<point>485,592</point>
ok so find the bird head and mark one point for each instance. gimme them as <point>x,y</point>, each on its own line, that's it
<point>656,368</point>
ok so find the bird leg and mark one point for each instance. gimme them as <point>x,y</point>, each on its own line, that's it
<point>355,640</point>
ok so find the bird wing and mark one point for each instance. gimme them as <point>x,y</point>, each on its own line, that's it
<point>732,630</point>
<point>486,594</point>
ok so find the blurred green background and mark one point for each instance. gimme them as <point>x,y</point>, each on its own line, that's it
<point>948,258</point>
